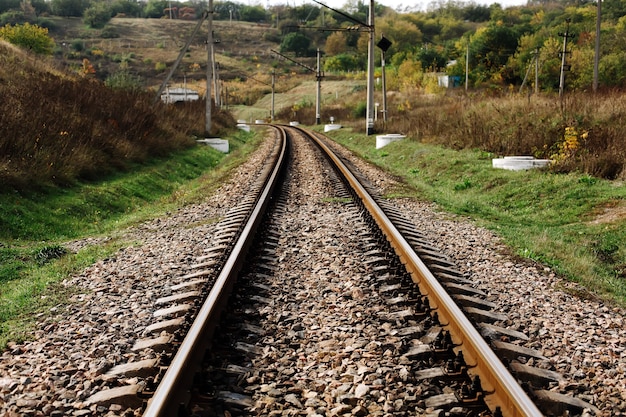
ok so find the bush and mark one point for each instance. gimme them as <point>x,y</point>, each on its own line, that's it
<point>109,33</point>
<point>124,80</point>
<point>360,110</point>
<point>46,23</point>
<point>28,36</point>
<point>49,253</point>
<point>13,17</point>
<point>297,43</point>
<point>341,63</point>
<point>97,16</point>
<point>77,45</point>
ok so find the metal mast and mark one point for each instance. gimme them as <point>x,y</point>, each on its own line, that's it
<point>369,124</point>
<point>209,70</point>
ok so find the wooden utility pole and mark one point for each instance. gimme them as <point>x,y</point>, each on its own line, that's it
<point>537,71</point>
<point>209,70</point>
<point>318,92</point>
<point>273,86</point>
<point>596,56</point>
<point>536,59</point>
<point>467,65</point>
<point>181,54</point>
<point>564,66</point>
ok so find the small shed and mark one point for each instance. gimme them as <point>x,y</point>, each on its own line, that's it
<point>448,81</point>
<point>174,95</point>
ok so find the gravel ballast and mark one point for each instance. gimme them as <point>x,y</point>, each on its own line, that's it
<point>73,347</point>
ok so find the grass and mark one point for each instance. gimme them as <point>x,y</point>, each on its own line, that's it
<point>548,217</point>
<point>36,225</point>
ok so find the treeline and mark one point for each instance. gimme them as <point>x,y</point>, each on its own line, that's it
<point>500,47</point>
<point>497,47</point>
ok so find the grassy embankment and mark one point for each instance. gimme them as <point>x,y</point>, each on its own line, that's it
<point>36,224</point>
<point>573,222</point>
<point>571,217</point>
<point>84,163</point>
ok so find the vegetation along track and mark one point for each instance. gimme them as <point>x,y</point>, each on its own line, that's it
<point>326,320</point>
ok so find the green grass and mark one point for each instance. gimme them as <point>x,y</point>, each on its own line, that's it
<point>541,215</point>
<point>35,226</point>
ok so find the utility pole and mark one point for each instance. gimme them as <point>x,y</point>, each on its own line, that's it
<point>181,54</point>
<point>273,85</point>
<point>596,56</point>
<point>536,71</point>
<point>384,45</point>
<point>536,59</point>
<point>209,70</point>
<point>369,26</point>
<point>216,87</point>
<point>467,65</point>
<point>369,125</point>
<point>318,75</point>
<point>564,53</point>
<point>318,94</point>
<point>382,64</point>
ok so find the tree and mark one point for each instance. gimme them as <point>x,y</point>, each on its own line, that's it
<point>306,12</point>
<point>411,74</point>
<point>40,6</point>
<point>492,46</point>
<point>297,43</point>
<point>69,8</point>
<point>336,44</point>
<point>128,8</point>
<point>342,62</point>
<point>431,58</point>
<point>154,8</point>
<point>252,13</point>
<point>403,33</point>
<point>224,10</point>
<point>6,5</point>
<point>28,36</point>
<point>97,16</point>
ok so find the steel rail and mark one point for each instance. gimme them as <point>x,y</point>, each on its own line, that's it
<point>168,397</point>
<point>501,389</point>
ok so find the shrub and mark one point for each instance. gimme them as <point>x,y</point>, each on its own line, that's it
<point>97,16</point>
<point>109,33</point>
<point>46,23</point>
<point>77,45</point>
<point>28,36</point>
<point>49,253</point>
<point>360,109</point>
<point>124,80</point>
<point>13,17</point>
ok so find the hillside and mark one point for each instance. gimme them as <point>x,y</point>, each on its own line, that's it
<point>148,48</point>
<point>57,127</point>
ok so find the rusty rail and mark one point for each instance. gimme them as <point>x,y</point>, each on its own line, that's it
<point>171,392</point>
<point>502,389</point>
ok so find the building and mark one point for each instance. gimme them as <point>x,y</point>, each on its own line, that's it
<point>174,95</point>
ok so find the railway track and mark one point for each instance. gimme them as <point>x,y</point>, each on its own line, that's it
<point>448,351</point>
